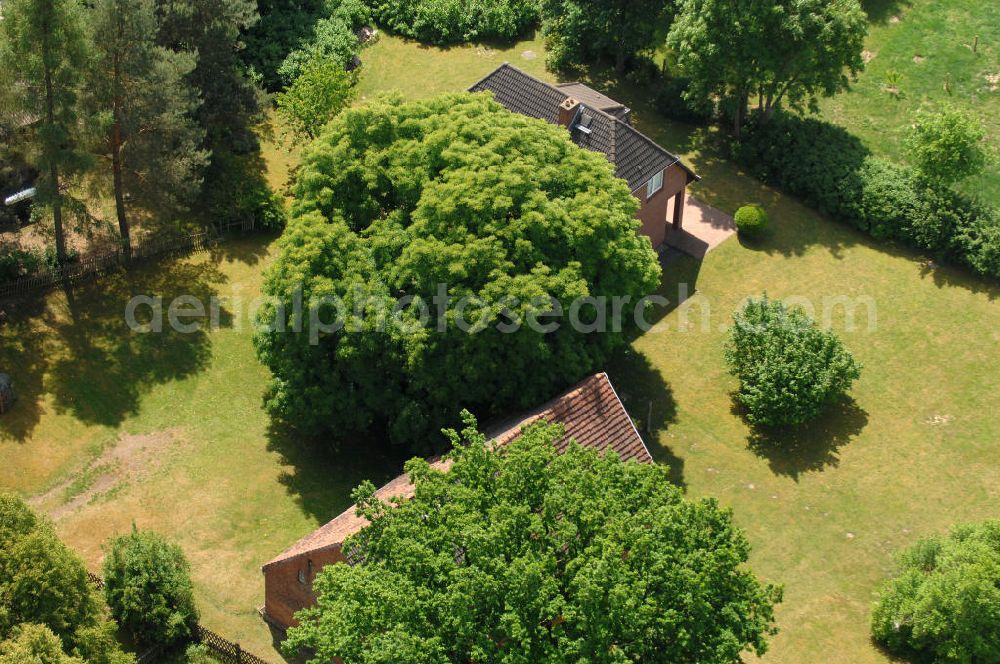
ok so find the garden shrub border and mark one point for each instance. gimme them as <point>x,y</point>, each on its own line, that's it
<point>833,171</point>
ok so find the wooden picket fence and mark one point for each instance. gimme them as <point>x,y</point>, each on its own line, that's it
<point>222,649</point>
<point>96,264</point>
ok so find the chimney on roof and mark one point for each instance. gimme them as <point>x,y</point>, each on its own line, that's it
<point>567,111</point>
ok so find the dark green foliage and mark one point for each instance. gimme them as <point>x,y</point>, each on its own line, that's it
<point>788,368</point>
<point>236,190</point>
<point>815,160</point>
<point>456,21</point>
<point>44,583</point>
<point>889,201</point>
<point>147,584</point>
<point>671,98</point>
<point>283,26</point>
<point>333,39</point>
<point>751,221</point>
<point>943,605</point>
<point>17,263</point>
<point>525,555</point>
<point>394,199</point>
<point>230,101</point>
<point>581,32</point>
<point>832,170</point>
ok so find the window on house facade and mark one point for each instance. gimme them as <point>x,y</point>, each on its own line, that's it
<point>654,185</point>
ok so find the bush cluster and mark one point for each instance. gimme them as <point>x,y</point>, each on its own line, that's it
<point>751,221</point>
<point>944,603</point>
<point>18,263</point>
<point>788,368</point>
<point>455,21</point>
<point>147,585</point>
<point>669,100</point>
<point>334,37</point>
<point>832,170</point>
<point>49,611</point>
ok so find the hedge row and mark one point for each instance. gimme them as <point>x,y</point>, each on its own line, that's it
<point>456,21</point>
<point>831,169</point>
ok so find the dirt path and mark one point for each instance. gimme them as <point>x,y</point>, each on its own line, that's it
<point>131,458</point>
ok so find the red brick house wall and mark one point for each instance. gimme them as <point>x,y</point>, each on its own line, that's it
<point>653,213</point>
<point>284,594</point>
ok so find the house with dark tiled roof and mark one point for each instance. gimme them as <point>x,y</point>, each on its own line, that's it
<point>591,414</point>
<point>596,122</point>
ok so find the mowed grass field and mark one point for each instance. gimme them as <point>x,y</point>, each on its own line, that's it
<point>921,56</point>
<point>167,432</point>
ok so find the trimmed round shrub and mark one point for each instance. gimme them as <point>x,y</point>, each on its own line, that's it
<point>147,583</point>
<point>944,603</point>
<point>751,221</point>
<point>788,368</point>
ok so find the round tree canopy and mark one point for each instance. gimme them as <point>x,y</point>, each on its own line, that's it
<point>398,200</point>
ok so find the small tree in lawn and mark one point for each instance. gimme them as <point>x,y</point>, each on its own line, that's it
<point>322,91</point>
<point>947,147</point>
<point>523,554</point>
<point>944,603</point>
<point>788,368</point>
<point>147,584</point>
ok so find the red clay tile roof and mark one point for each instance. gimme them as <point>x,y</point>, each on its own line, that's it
<point>590,411</point>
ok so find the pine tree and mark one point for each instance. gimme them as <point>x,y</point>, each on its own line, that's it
<point>146,107</point>
<point>44,49</point>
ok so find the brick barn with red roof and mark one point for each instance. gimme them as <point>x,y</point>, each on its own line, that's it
<point>591,414</point>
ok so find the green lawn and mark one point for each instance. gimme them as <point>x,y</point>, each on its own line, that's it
<point>196,456</point>
<point>920,47</point>
<point>197,460</point>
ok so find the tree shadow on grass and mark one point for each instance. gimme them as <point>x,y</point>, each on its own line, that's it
<point>101,367</point>
<point>951,276</point>
<point>650,402</point>
<point>25,357</point>
<point>810,447</point>
<point>880,11</point>
<point>321,472</point>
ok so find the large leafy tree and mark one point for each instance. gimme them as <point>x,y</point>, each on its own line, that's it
<point>943,605</point>
<point>398,200</point>
<point>42,583</point>
<point>579,31</point>
<point>521,554</point>
<point>45,48</point>
<point>788,367</point>
<point>147,583</point>
<point>146,109</point>
<point>768,51</point>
